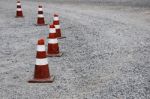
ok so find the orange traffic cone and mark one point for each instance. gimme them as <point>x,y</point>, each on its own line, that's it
<point>40,18</point>
<point>41,73</point>
<point>57,26</point>
<point>19,12</point>
<point>53,48</point>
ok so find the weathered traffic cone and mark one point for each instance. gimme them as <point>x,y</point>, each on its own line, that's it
<point>57,26</point>
<point>19,12</point>
<point>40,17</point>
<point>53,47</point>
<point>41,72</point>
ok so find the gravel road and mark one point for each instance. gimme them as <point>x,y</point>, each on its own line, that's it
<point>106,52</point>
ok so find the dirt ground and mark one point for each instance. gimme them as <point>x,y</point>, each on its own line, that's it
<point>106,52</point>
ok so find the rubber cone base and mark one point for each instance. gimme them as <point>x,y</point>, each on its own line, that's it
<point>55,55</point>
<point>40,24</point>
<point>19,16</point>
<point>58,37</point>
<point>42,80</point>
<point>61,37</point>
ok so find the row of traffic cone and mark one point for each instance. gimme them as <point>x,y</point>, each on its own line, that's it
<point>42,73</point>
<point>40,18</point>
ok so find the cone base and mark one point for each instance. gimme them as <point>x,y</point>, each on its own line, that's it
<point>58,37</point>
<point>40,24</point>
<point>61,37</point>
<point>50,80</point>
<point>19,16</point>
<point>55,55</point>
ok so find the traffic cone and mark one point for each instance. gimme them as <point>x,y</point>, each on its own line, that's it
<point>19,12</point>
<point>40,18</point>
<point>41,72</point>
<point>57,26</point>
<point>53,48</point>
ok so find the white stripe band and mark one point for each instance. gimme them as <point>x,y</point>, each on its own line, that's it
<point>56,18</point>
<point>57,26</point>
<point>53,41</point>
<point>41,61</point>
<point>40,15</point>
<point>18,3</point>
<point>19,9</point>
<point>40,9</point>
<point>40,47</point>
<point>52,30</point>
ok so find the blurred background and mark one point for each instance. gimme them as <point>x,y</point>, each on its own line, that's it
<point>141,3</point>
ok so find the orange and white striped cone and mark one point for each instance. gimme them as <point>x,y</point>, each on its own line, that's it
<point>41,72</point>
<point>57,26</point>
<point>19,12</point>
<point>40,17</point>
<point>53,47</point>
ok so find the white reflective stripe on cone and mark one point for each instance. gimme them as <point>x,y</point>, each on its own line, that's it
<point>41,61</point>
<point>18,3</point>
<point>19,9</point>
<point>40,47</point>
<point>52,30</point>
<point>56,18</point>
<point>40,9</point>
<point>53,41</point>
<point>57,26</point>
<point>40,15</point>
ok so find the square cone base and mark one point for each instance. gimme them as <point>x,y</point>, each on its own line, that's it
<point>61,37</point>
<point>19,16</point>
<point>55,55</point>
<point>40,24</point>
<point>50,80</point>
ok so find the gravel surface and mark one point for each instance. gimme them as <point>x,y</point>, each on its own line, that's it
<point>106,52</point>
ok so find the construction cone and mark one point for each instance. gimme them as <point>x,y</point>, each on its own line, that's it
<point>41,73</point>
<point>40,18</point>
<point>53,48</point>
<point>19,12</point>
<point>57,26</point>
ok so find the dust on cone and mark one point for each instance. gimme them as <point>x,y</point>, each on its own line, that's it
<point>53,47</point>
<point>19,12</point>
<point>57,26</point>
<point>40,17</point>
<point>41,72</point>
